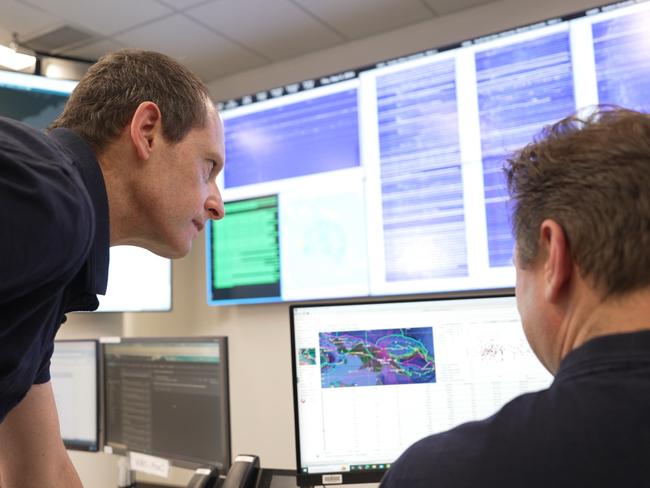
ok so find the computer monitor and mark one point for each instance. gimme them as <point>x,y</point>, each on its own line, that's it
<point>138,281</point>
<point>386,179</point>
<point>74,371</point>
<point>168,398</point>
<point>34,100</point>
<point>372,378</point>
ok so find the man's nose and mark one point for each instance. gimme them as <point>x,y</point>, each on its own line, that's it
<point>214,206</point>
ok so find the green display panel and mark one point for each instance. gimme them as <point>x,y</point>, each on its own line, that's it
<point>245,252</point>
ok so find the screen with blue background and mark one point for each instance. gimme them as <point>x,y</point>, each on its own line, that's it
<point>387,180</point>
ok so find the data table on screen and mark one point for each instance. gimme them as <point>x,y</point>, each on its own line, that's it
<point>621,46</point>
<point>522,86</point>
<point>422,202</point>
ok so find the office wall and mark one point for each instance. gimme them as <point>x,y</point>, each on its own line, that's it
<point>260,368</point>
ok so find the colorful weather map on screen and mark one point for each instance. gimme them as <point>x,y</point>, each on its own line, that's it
<point>377,357</point>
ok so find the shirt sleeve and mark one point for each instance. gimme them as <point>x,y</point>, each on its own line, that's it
<point>43,373</point>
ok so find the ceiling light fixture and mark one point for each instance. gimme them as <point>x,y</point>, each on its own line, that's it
<point>14,60</point>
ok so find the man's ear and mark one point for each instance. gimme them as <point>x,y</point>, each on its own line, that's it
<point>558,264</point>
<point>146,125</point>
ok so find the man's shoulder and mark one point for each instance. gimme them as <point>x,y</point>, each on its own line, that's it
<point>14,133</point>
<point>473,451</point>
<point>561,436</point>
<point>44,207</point>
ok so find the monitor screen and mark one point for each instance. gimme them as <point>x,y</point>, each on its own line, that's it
<point>34,100</point>
<point>386,180</point>
<point>168,398</point>
<point>74,375</point>
<point>138,279</point>
<point>372,378</point>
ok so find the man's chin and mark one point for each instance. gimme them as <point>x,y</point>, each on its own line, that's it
<point>174,251</point>
<point>180,253</point>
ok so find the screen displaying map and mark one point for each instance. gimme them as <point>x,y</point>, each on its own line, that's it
<point>372,378</point>
<point>377,357</point>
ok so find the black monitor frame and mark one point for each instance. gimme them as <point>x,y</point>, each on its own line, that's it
<point>80,446</point>
<point>223,355</point>
<point>267,475</point>
<point>369,475</point>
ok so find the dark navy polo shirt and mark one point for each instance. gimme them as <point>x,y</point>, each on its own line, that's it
<point>590,428</point>
<point>54,247</point>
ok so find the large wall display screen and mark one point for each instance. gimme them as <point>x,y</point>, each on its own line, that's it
<point>138,280</point>
<point>388,179</point>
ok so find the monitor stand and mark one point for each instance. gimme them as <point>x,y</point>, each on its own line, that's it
<point>125,476</point>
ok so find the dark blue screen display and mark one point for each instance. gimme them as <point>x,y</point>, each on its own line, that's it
<point>621,48</point>
<point>303,138</point>
<point>521,88</point>
<point>421,183</point>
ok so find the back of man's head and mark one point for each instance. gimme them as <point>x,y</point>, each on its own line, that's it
<point>105,99</point>
<point>592,176</point>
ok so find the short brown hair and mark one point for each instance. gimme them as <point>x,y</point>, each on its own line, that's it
<point>105,99</point>
<point>592,176</point>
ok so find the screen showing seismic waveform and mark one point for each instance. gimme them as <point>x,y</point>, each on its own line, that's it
<point>324,128</point>
<point>535,74</point>
<point>622,61</point>
<point>245,250</point>
<point>421,183</point>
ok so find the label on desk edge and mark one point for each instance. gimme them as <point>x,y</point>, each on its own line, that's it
<point>332,479</point>
<point>245,459</point>
<point>149,464</point>
<point>110,340</point>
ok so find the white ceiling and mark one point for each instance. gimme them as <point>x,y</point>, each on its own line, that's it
<point>216,38</point>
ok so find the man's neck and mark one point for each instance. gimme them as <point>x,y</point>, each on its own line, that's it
<point>116,170</point>
<point>593,317</point>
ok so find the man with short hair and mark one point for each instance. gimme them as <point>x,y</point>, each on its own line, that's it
<point>581,220</point>
<point>133,159</point>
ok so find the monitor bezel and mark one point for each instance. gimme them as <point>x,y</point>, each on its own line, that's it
<point>266,476</point>
<point>224,358</point>
<point>85,447</point>
<point>371,475</point>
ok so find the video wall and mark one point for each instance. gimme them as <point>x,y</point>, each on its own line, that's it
<point>387,179</point>
<point>138,280</point>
